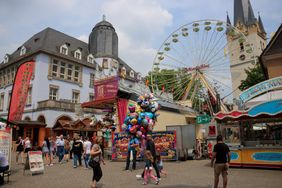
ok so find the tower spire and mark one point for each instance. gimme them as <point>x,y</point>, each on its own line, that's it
<point>260,24</point>
<point>243,13</point>
<point>104,17</point>
<point>228,23</point>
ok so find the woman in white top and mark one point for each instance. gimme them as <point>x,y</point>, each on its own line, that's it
<point>27,145</point>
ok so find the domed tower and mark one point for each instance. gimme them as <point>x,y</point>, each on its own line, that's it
<point>103,40</point>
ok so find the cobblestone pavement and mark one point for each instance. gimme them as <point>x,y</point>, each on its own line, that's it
<point>188,174</point>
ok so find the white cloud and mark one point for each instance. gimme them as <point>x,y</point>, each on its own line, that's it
<point>138,24</point>
<point>83,38</point>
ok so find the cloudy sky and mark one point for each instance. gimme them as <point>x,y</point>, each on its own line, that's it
<point>141,25</point>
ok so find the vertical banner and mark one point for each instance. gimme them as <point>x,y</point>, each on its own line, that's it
<point>20,90</point>
<point>122,109</point>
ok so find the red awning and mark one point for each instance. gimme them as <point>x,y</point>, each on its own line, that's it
<point>100,104</point>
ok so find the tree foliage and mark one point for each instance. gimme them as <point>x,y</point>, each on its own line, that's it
<point>255,75</point>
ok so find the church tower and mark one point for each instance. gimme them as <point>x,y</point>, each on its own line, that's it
<point>103,40</point>
<point>240,56</point>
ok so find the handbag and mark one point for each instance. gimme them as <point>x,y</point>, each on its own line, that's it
<point>92,163</point>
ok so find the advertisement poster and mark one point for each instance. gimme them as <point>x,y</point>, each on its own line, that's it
<point>5,140</point>
<point>35,161</point>
<point>106,88</point>
<point>165,143</point>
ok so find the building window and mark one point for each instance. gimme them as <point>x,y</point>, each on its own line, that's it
<point>66,71</point>
<point>62,70</point>
<point>76,73</point>
<point>28,132</point>
<point>29,97</point>
<point>77,54</point>
<point>91,81</point>
<point>131,74</point>
<point>53,93</point>
<point>9,99</point>
<point>91,96</point>
<point>105,64</point>
<point>6,59</point>
<point>23,51</point>
<point>90,58</point>
<point>241,46</point>
<point>75,97</point>
<point>2,101</point>
<point>69,72</point>
<point>64,49</point>
<point>139,76</point>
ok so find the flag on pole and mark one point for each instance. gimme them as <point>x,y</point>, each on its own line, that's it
<point>163,88</point>
<point>20,90</point>
<point>172,89</point>
<point>147,82</point>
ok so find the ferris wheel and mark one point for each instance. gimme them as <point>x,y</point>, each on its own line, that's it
<point>193,63</point>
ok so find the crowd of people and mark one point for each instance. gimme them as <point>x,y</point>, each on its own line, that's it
<point>78,148</point>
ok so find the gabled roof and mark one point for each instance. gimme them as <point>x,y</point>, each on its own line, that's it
<point>243,12</point>
<point>275,44</point>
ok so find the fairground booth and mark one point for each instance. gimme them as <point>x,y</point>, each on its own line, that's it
<point>255,134</point>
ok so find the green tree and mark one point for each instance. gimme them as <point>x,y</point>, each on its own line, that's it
<point>255,75</point>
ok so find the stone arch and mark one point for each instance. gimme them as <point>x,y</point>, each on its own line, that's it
<point>41,119</point>
<point>27,118</point>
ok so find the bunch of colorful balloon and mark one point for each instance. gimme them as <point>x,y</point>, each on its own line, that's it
<point>141,117</point>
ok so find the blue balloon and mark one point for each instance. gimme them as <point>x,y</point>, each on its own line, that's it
<point>149,115</point>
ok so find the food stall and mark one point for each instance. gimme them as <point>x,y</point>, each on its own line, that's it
<point>254,135</point>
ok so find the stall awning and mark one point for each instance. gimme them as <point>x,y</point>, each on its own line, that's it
<point>263,110</point>
<point>100,104</point>
<point>25,123</point>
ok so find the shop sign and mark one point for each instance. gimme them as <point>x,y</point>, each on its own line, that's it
<point>260,88</point>
<point>203,119</point>
<point>106,88</point>
<point>36,164</point>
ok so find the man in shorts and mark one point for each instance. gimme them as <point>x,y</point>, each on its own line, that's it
<point>221,154</point>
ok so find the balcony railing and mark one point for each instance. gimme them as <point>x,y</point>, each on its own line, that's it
<point>65,105</point>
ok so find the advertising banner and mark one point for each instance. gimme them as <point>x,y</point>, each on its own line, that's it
<point>20,90</point>
<point>165,143</point>
<point>36,164</point>
<point>5,140</point>
<point>106,88</point>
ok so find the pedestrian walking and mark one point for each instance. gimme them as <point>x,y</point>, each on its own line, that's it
<point>151,147</point>
<point>67,149</point>
<point>86,153</point>
<point>149,160</point>
<point>160,165</point>
<point>46,151</point>
<point>221,155</point>
<point>96,159</point>
<point>60,148</point>
<point>4,165</point>
<point>19,150</point>
<point>132,145</point>
<point>77,149</point>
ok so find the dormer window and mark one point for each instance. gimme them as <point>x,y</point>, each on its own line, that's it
<point>131,74</point>
<point>90,58</point>
<point>6,58</point>
<point>123,72</point>
<point>139,76</point>
<point>64,49</point>
<point>23,51</point>
<point>77,54</point>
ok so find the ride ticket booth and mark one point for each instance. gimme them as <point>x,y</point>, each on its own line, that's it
<point>254,136</point>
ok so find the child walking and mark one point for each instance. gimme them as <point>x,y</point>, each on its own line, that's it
<point>148,168</point>
<point>160,165</point>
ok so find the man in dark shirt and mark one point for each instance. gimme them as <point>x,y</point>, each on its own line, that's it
<point>221,154</point>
